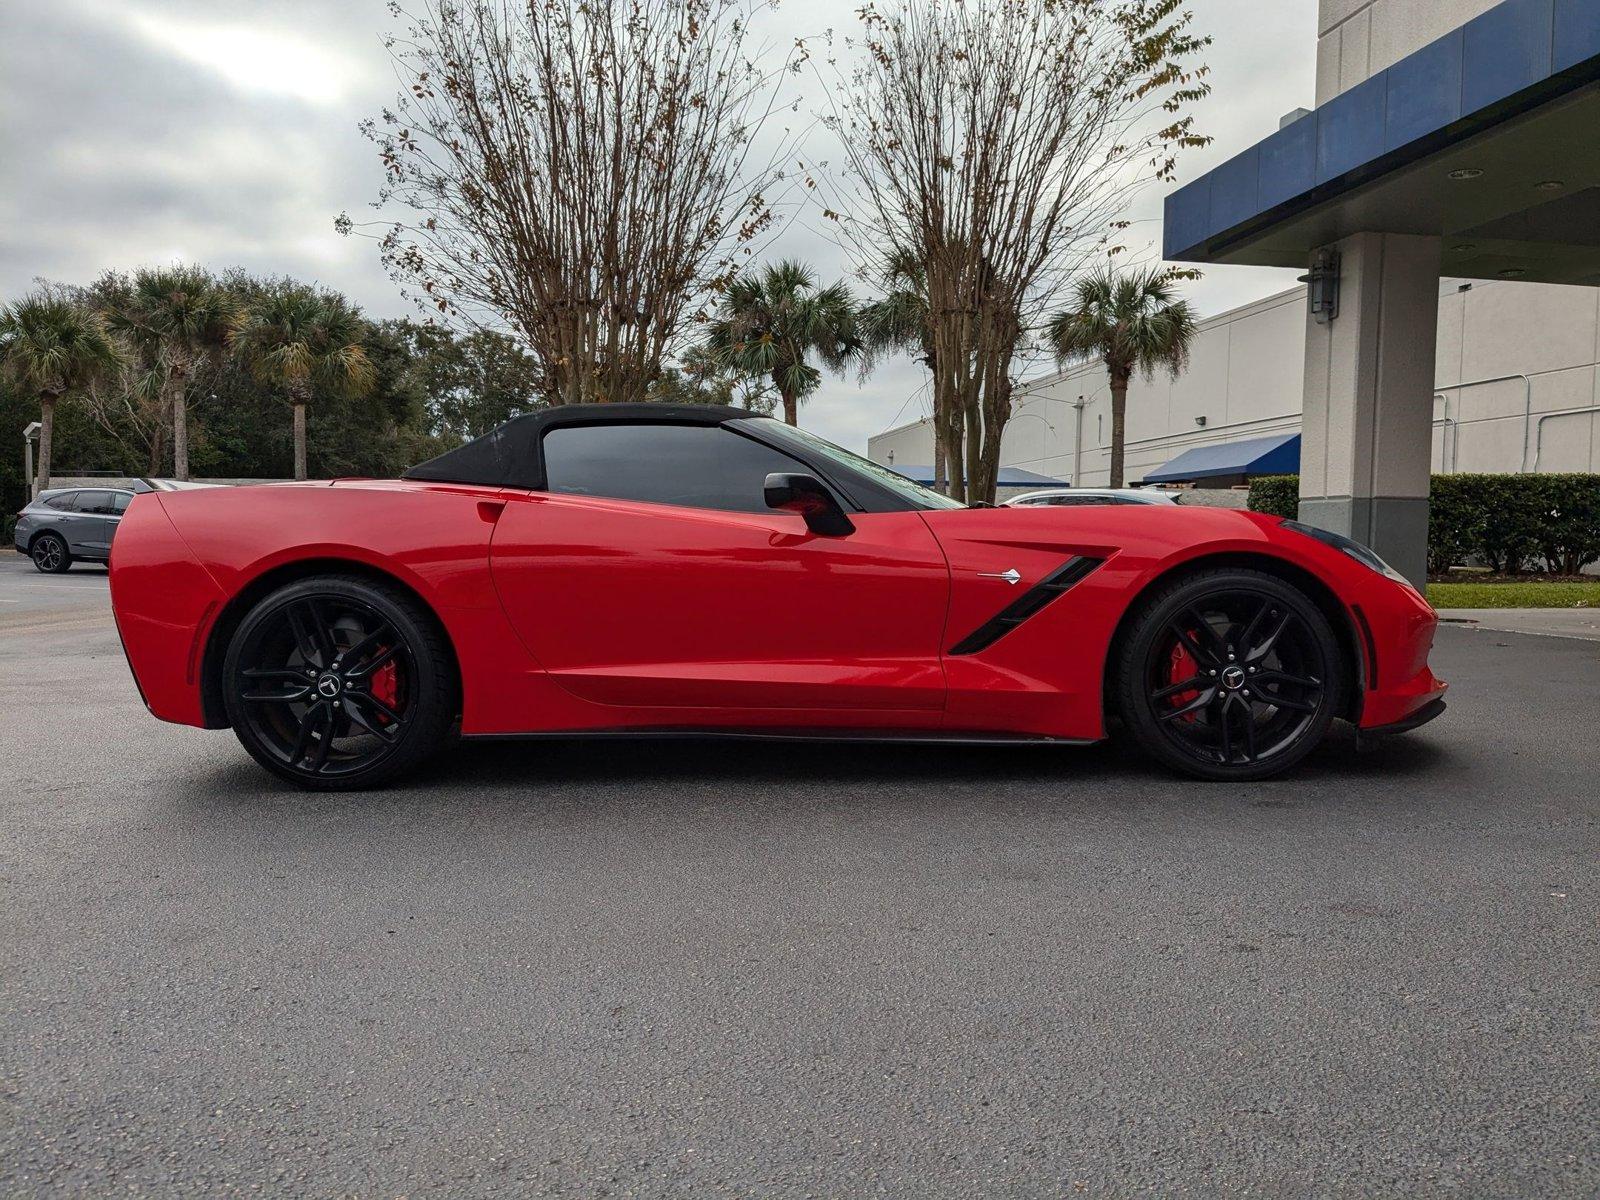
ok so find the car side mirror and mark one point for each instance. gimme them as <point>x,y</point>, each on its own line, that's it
<point>806,495</point>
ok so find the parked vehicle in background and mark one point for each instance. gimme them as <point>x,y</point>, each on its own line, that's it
<point>1071,497</point>
<point>76,524</point>
<point>67,525</point>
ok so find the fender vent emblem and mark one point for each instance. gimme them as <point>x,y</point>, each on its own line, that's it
<point>1024,606</point>
<point>1010,576</point>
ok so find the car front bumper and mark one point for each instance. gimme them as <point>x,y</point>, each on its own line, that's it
<point>1397,627</point>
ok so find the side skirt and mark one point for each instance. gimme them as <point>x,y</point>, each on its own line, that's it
<point>866,737</point>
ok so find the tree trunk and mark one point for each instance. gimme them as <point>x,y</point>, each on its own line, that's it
<point>1119,421</point>
<point>954,455</point>
<point>180,428</point>
<point>791,408</point>
<point>973,473</point>
<point>47,427</point>
<point>298,399</point>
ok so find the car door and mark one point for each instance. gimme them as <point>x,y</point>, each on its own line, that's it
<point>92,510</point>
<point>651,574</point>
<point>75,520</point>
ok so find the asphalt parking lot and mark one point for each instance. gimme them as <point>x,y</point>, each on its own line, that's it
<point>745,969</point>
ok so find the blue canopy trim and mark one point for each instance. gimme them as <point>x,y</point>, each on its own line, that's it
<point>1275,455</point>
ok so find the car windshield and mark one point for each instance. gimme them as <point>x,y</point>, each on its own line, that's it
<point>893,480</point>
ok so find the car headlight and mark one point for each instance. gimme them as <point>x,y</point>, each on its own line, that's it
<point>1362,554</point>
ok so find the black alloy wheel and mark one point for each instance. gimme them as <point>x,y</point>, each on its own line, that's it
<point>337,682</point>
<point>49,554</point>
<point>1230,675</point>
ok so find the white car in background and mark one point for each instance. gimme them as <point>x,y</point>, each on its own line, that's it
<point>1054,497</point>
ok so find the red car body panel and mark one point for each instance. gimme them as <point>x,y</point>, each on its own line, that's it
<point>571,613</point>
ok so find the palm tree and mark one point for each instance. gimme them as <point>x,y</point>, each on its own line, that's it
<point>767,326</point>
<point>1130,322</point>
<point>184,315</point>
<point>303,341</point>
<point>898,323</point>
<point>51,346</point>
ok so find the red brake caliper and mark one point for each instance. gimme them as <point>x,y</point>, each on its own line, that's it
<point>1180,667</point>
<point>386,687</point>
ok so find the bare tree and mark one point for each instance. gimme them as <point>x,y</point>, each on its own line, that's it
<point>581,172</point>
<point>998,142</point>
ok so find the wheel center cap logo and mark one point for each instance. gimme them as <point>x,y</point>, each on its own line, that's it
<point>1233,677</point>
<point>329,686</point>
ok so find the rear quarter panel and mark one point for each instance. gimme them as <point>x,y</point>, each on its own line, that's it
<point>181,557</point>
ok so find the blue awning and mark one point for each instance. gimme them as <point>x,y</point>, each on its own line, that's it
<point>1276,455</point>
<point>1008,477</point>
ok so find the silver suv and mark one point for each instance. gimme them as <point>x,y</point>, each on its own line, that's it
<point>65,525</point>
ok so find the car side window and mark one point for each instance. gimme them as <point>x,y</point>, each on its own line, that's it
<point>92,502</point>
<point>120,502</point>
<point>697,466</point>
<point>62,502</point>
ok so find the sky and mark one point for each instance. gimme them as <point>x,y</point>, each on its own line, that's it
<point>224,133</point>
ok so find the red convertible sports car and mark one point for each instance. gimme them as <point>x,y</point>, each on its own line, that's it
<point>634,570</point>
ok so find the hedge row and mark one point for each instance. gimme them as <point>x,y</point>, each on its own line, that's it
<point>1510,523</point>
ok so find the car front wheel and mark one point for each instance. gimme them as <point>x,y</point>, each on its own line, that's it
<point>1230,674</point>
<point>337,682</point>
<point>49,554</point>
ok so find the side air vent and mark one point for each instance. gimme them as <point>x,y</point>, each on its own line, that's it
<point>1062,579</point>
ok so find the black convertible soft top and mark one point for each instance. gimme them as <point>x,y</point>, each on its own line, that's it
<point>508,455</point>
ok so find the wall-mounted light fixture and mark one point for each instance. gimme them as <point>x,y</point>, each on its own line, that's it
<point>1322,286</point>
<point>1200,421</point>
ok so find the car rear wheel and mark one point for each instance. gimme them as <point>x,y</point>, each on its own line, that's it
<point>336,682</point>
<point>49,554</point>
<point>1230,675</point>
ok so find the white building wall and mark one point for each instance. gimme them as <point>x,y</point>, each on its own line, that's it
<point>1513,361</point>
<point>1358,38</point>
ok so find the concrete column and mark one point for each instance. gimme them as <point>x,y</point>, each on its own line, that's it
<point>1366,444</point>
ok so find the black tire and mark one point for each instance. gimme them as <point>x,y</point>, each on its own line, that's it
<point>50,554</point>
<point>1230,674</point>
<point>337,682</point>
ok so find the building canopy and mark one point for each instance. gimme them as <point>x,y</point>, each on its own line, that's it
<point>1485,137</point>
<point>1276,455</point>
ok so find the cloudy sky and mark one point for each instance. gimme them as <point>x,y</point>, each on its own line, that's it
<point>223,132</point>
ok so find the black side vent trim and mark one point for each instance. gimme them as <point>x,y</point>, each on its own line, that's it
<point>1062,579</point>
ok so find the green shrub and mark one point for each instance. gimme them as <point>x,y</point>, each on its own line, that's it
<point>1511,522</point>
<point>1455,518</point>
<point>1569,530</point>
<point>1278,495</point>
